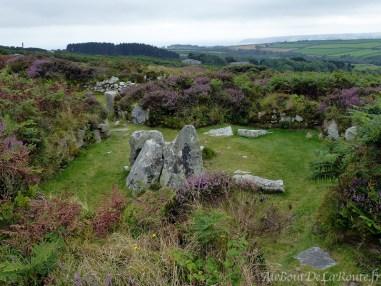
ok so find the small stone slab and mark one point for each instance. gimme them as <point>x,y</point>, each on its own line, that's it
<point>265,185</point>
<point>252,133</point>
<point>221,132</point>
<point>316,258</point>
<point>240,172</point>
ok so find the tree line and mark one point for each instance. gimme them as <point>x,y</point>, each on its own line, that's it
<point>130,49</point>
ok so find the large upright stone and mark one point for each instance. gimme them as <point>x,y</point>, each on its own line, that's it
<point>147,167</point>
<point>332,130</point>
<point>110,97</point>
<point>182,158</point>
<point>138,138</point>
<point>139,115</point>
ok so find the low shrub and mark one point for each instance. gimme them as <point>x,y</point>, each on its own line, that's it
<point>109,214</point>
<point>15,170</point>
<point>147,212</point>
<point>208,153</point>
<point>39,218</point>
<point>31,270</point>
<point>358,192</point>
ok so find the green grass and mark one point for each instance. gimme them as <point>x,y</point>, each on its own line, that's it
<point>284,154</point>
<point>334,48</point>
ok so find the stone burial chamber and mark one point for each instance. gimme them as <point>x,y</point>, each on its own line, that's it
<point>169,164</point>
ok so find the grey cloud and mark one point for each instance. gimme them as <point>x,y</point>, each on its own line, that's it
<point>28,13</point>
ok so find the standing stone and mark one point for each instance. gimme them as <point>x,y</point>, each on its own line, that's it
<point>252,133</point>
<point>110,97</point>
<point>138,138</point>
<point>147,167</point>
<point>351,133</point>
<point>182,158</point>
<point>332,130</point>
<point>139,115</point>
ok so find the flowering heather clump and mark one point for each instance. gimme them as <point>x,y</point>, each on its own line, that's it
<point>224,75</point>
<point>109,214</point>
<point>37,68</point>
<point>42,217</point>
<point>358,192</point>
<point>235,96</point>
<point>345,98</point>
<point>205,187</point>
<point>14,169</point>
<point>202,80</point>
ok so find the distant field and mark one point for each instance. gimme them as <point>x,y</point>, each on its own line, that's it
<point>336,48</point>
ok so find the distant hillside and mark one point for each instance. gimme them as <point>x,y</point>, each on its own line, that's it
<point>361,51</point>
<point>323,37</point>
<point>19,50</point>
<point>110,49</point>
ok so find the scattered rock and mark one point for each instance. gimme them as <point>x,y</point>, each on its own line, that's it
<point>126,168</point>
<point>316,258</point>
<point>350,133</point>
<point>244,157</point>
<point>97,136</point>
<point>202,148</point>
<point>139,115</point>
<point>110,97</point>
<point>191,62</point>
<point>298,118</point>
<point>104,129</point>
<point>265,185</point>
<point>147,167</point>
<point>138,138</point>
<point>309,135</point>
<point>252,133</point>
<point>332,130</point>
<point>284,118</point>
<point>261,114</point>
<point>80,138</point>
<point>112,84</point>
<point>221,132</point>
<point>182,158</point>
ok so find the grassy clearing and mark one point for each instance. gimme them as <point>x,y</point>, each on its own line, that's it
<point>283,155</point>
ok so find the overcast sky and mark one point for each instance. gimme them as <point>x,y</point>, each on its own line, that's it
<point>54,23</point>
